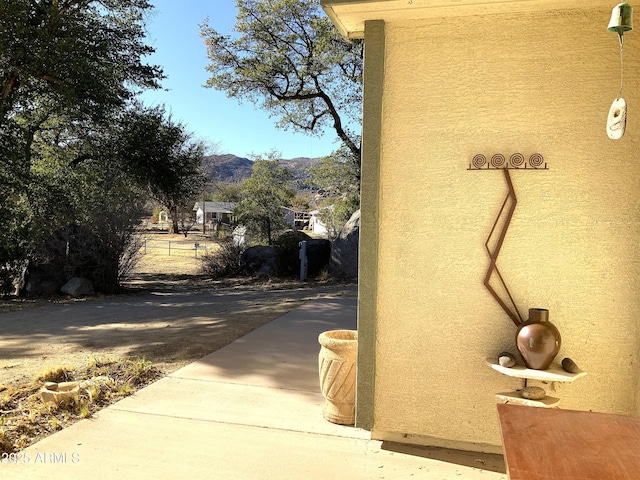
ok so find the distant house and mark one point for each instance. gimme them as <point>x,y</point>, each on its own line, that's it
<point>316,225</point>
<point>214,212</point>
<point>297,219</point>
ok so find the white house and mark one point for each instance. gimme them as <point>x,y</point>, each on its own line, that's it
<point>316,225</point>
<point>220,212</point>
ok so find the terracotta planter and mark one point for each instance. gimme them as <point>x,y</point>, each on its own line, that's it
<point>337,366</point>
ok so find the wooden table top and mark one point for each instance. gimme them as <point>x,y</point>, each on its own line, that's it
<point>550,444</point>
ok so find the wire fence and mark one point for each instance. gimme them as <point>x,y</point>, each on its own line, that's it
<point>177,248</point>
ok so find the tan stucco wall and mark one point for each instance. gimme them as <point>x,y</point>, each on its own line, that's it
<point>502,84</point>
<point>368,248</point>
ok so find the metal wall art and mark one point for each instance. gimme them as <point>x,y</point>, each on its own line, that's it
<point>498,233</point>
<point>515,162</point>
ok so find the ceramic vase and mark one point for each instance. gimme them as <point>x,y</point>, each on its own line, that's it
<point>337,368</point>
<point>538,340</point>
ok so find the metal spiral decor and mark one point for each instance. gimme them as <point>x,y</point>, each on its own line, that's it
<point>516,162</point>
<point>536,160</point>
<point>497,161</point>
<point>478,161</point>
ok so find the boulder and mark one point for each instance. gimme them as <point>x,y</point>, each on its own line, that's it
<point>37,284</point>
<point>261,260</point>
<point>318,255</point>
<point>78,287</point>
<point>344,253</point>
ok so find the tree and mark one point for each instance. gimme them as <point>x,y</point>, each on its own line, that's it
<point>81,55</point>
<point>337,177</point>
<point>263,195</point>
<point>226,192</point>
<point>288,57</point>
<point>111,207</point>
<point>186,219</point>
<point>67,67</point>
<point>164,158</point>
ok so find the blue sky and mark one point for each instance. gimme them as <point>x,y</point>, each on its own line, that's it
<point>235,128</point>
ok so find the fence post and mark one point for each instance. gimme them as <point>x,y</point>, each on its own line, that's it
<point>169,247</point>
<point>303,260</point>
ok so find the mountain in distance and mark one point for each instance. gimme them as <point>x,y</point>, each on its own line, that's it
<point>231,168</point>
<point>226,168</point>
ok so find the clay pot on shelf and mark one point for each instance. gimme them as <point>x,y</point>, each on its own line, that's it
<point>337,368</point>
<point>538,340</point>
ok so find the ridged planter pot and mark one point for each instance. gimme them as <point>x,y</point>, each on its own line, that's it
<point>337,367</point>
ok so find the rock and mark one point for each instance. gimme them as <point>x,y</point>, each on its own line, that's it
<point>533,393</point>
<point>318,255</point>
<point>570,366</point>
<point>42,284</point>
<point>344,252</point>
<point>59,392</point>
<point>506,359</point>
<point>260,260</point>
<point>78,287</point>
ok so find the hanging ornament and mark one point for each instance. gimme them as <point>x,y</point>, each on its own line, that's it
<point>621,21</point>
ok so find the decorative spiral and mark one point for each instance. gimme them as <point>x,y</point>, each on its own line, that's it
<point>497,160</point>
<point>479,161</point>
<point>516,160</point>
<point>536,160</point>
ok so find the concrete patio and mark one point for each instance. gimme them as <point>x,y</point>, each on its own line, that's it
<point>251,410</point>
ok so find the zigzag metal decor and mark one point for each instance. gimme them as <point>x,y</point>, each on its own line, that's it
<point>499,162</point>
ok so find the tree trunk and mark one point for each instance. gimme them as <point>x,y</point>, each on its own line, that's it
<point>173,210</point>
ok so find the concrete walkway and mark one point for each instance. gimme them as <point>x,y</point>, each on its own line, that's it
<point>251,410</point>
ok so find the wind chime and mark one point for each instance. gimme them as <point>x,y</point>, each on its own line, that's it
<point>621,21</point>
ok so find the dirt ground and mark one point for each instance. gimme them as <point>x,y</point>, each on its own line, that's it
<point>170,316</point>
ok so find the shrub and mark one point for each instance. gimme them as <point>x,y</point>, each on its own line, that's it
<point>224,262</point>
<point>288,249</point>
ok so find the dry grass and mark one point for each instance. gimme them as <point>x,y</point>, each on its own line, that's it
<point>171,254</point>
<point>25,418</point>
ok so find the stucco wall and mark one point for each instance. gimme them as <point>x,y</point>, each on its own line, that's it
<point>537,83</point>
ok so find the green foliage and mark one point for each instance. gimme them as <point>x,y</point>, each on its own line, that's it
<point>112,210</point>
<point>227,192</point>
<point>263,195</point>
<point>337,175</point>
<point>287,248</point>
<point>81,55</point>
<point>162,156</point>
<point>287,56</point>
<point>336,212</point>
<point>301,202</point>
<point>70,150</point>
